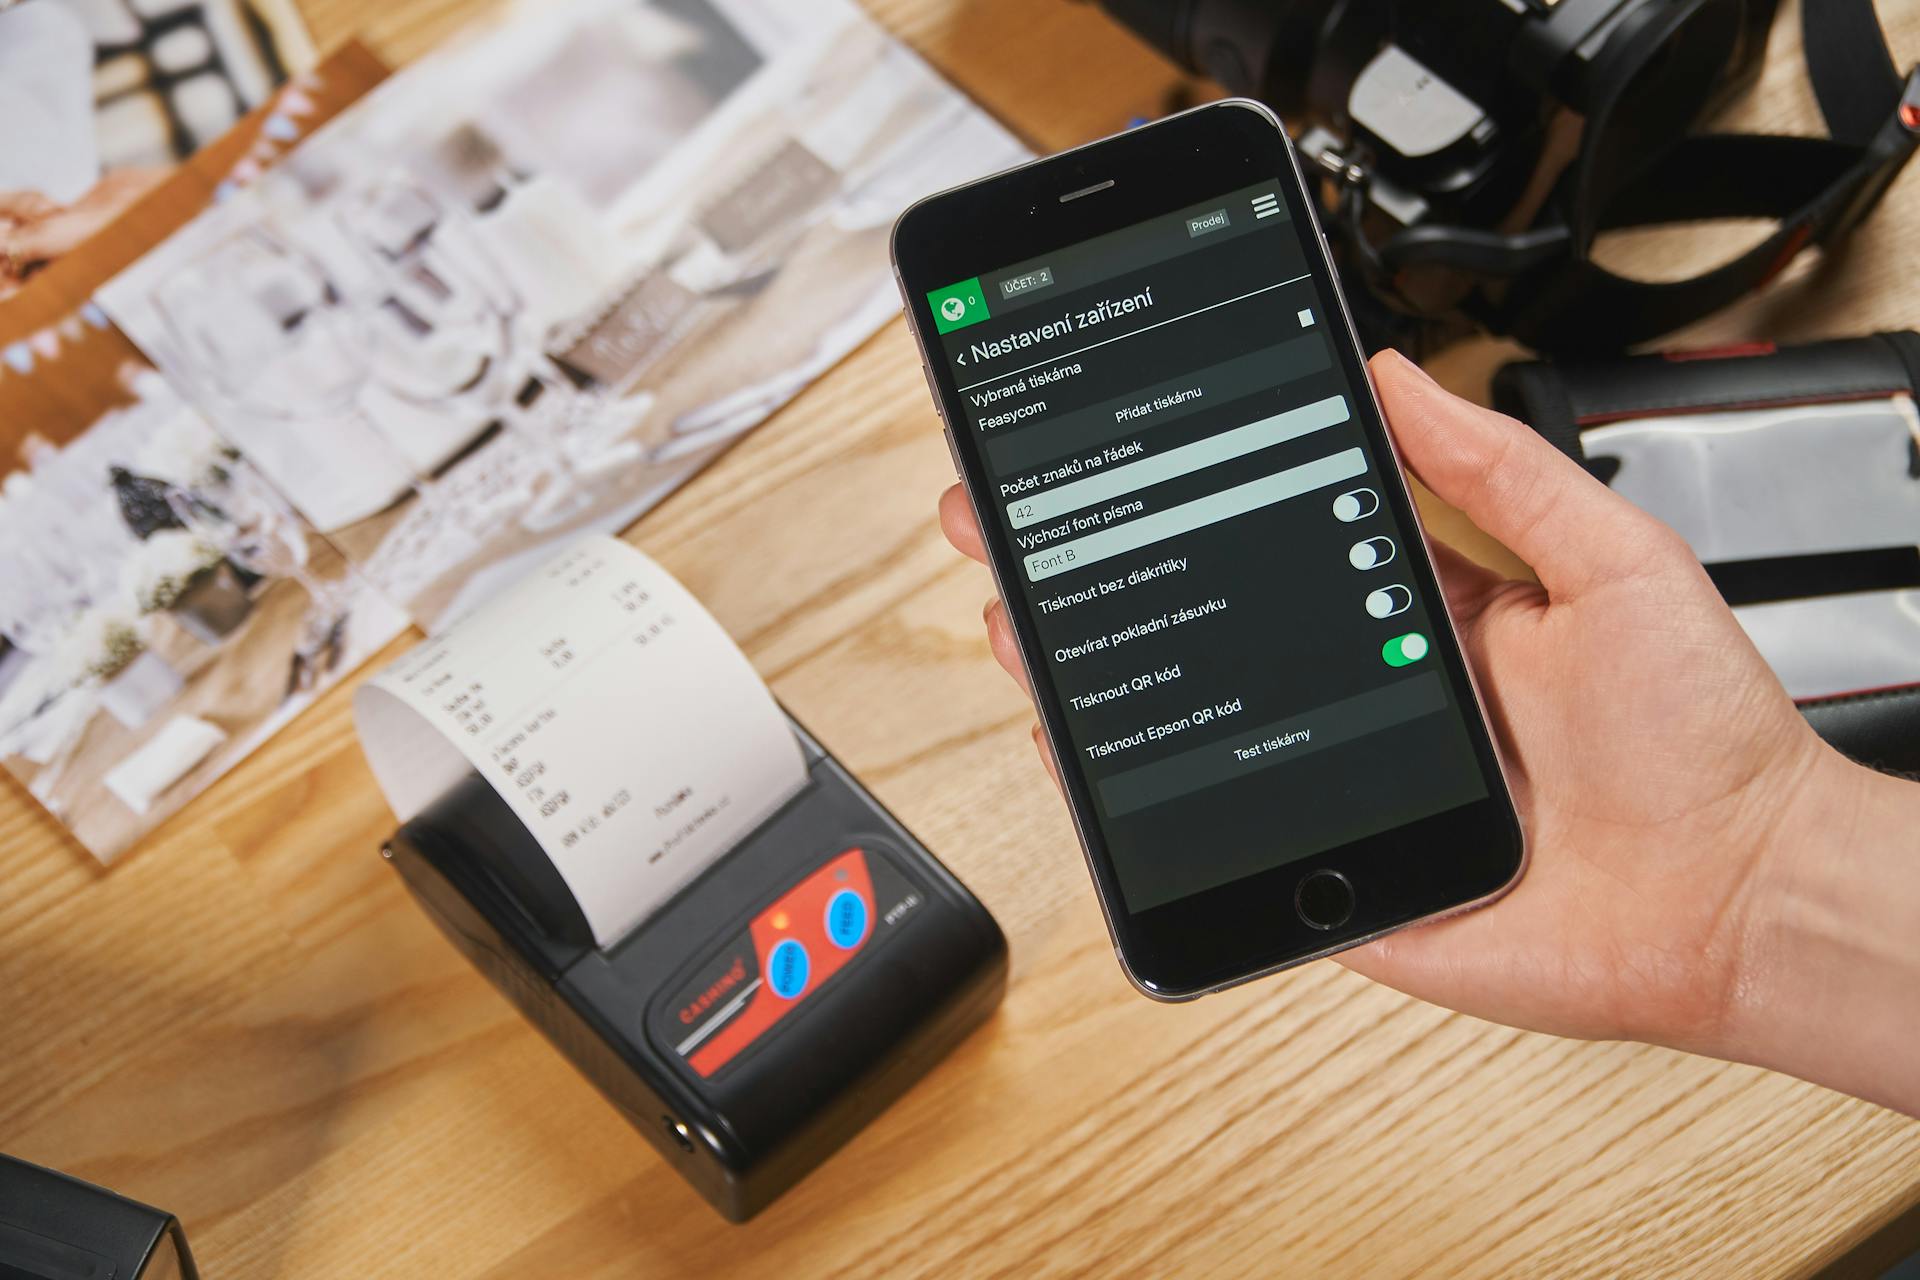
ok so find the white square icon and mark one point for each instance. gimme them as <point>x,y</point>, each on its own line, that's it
<point>1306,318</point>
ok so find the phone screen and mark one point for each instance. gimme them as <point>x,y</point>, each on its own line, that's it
<point>1237,626</point>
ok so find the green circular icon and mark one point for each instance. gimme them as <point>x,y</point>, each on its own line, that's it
<point>953,308</point>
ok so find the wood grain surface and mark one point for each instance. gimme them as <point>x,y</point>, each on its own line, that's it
<point>248,1023</point>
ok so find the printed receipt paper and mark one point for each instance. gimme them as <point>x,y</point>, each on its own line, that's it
<point>609,709</point>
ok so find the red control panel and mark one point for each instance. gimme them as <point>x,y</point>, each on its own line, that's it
<point>791,949</point>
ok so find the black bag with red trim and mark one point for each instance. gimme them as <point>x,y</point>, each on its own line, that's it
<point>1794,473</point>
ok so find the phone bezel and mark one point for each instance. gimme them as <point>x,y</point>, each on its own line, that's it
<point>1236,932</point>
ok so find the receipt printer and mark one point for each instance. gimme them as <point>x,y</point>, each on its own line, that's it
<point>756,1021</point>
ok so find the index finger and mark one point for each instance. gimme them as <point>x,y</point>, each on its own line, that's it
<point>1572,530</point>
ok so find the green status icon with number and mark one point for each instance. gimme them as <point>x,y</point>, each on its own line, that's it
<point>958,305</point>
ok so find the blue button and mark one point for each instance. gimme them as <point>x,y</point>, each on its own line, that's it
<point>787,968</point>
<point>846,919</point>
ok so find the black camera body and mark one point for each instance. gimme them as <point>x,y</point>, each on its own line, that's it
<point>1471,150</point>
<point>1449,101</point>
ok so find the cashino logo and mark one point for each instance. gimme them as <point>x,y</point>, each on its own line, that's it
<point>958,305</point>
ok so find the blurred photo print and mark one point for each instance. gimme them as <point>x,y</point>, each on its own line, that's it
<point>163,609</point>
<point>529,285</point>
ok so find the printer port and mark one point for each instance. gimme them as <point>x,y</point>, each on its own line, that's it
<point>679,1133</point>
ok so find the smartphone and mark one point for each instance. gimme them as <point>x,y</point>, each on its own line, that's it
<point>1152,390</point>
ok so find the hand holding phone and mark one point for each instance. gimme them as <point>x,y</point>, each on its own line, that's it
<point>1709,875</point>
<point>1657,758</point>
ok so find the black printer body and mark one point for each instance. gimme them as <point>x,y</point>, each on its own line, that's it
<point>761,1017</point>
<point>56,1227</point>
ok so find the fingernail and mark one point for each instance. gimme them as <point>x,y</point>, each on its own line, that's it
<point>1410,365</point>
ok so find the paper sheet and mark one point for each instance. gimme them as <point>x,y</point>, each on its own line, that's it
<point>609,709</point>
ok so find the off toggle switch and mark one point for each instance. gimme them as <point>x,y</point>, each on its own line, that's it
<point>1356,504</point>
<point>1388,601</point>
<point>1404,651</point>
<point>1371,554</point>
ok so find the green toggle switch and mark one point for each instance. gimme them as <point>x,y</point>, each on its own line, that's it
<point>1404,651</point>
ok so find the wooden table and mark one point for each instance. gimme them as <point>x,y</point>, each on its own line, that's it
<point>247,1022</point>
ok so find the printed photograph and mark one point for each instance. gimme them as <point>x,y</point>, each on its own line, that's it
<point>529,285</point>
<point>162,611</point>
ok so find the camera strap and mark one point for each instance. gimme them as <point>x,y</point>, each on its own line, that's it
<point>1817,189</point>
<point>1852,69</point>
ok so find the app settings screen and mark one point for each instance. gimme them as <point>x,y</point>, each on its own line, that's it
<point>1203,549</point>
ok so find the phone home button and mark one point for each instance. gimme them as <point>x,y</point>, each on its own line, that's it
<point>1324,900</point>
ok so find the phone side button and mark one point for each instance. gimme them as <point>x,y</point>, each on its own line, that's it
<point>933,392</point>
<point>1324,900</point>
<point>953,451</point>
<point>946,429</point>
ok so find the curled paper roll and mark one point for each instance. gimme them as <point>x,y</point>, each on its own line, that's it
<point>612,713</point>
